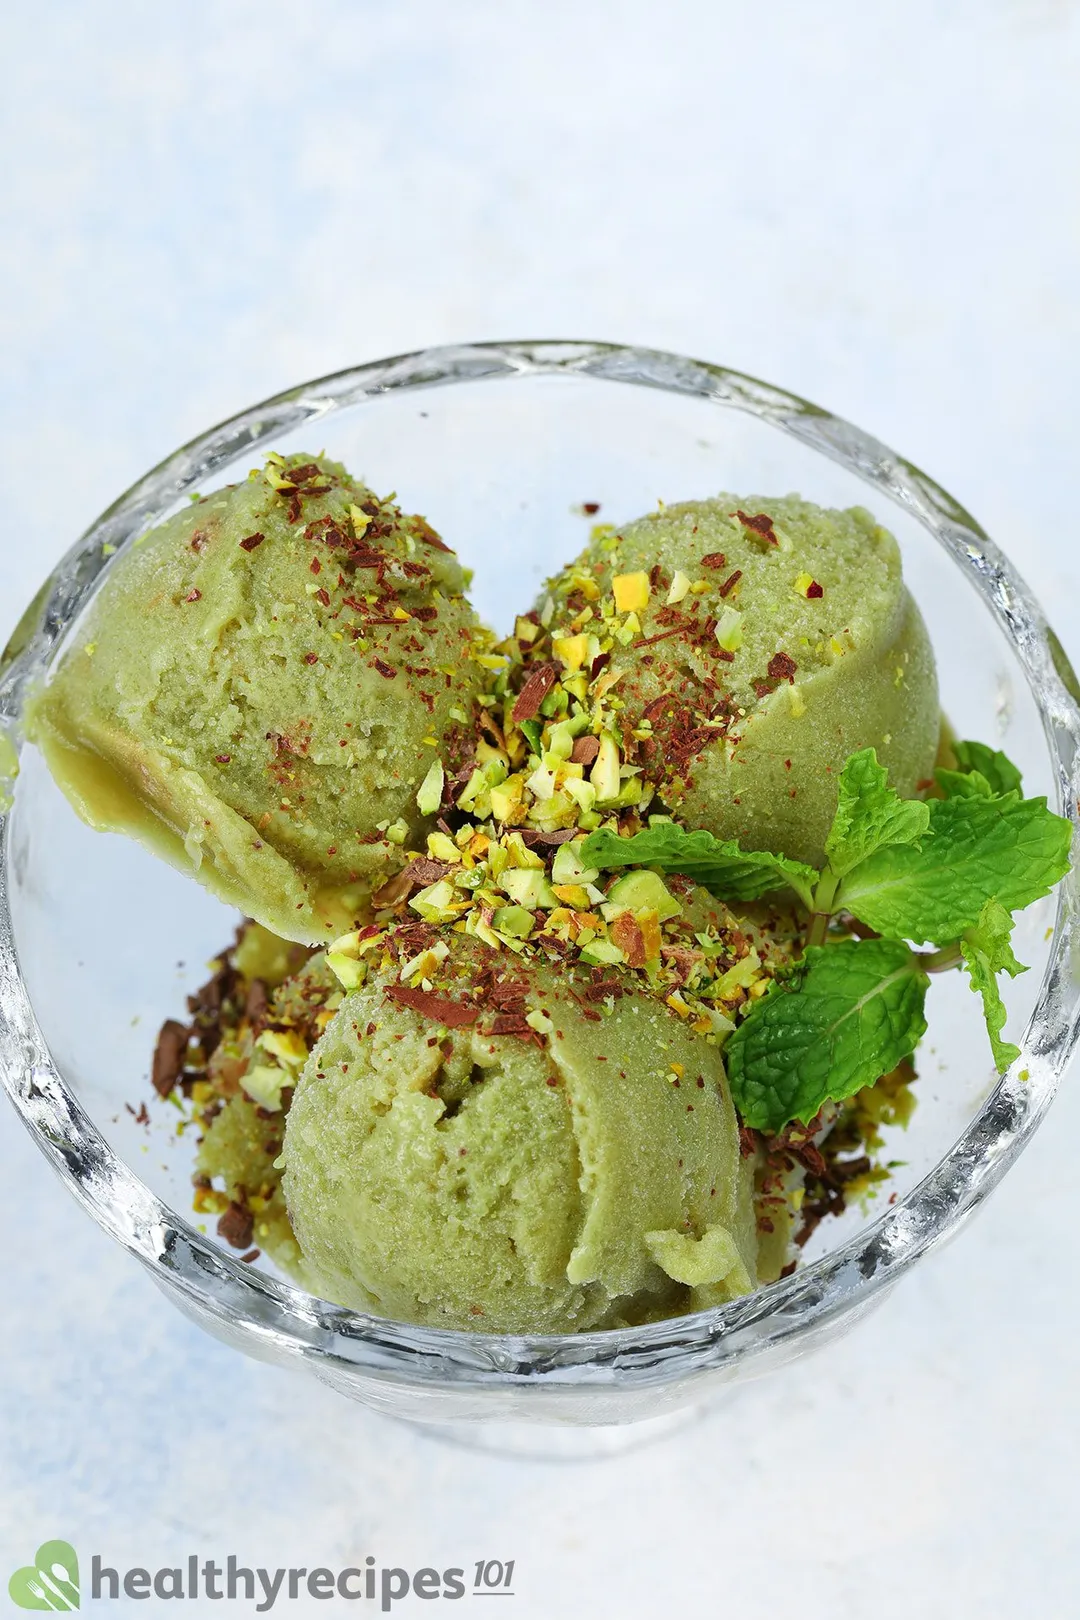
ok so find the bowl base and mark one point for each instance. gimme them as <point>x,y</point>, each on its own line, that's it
<point>556,1442</point>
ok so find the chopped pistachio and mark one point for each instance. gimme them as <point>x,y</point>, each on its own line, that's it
<point>631,592</point>
<point>430,792</point>
<point>286,1045</point>
<point>441,848</point>
<point>602,951</point>
<point>571,651</point>
<point>436,903</point>
<point>263,1083</point>
<point>643,890</point>
<point>541,783</point>
<point>517,921</point>
<point>529,888</point>
<point>729,632</point>
<point>507,798</point>
<point>566,867</point>
<point>604,775</point>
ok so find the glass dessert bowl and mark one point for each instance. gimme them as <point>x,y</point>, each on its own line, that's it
<point>91,928</point>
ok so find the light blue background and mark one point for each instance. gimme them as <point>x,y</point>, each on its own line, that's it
<point>874,204</point>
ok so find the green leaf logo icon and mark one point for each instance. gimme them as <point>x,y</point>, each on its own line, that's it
<point>50,1582</point>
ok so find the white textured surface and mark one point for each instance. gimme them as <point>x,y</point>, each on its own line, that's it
<point>874,204</point>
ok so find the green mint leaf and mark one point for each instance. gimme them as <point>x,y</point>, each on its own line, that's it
<point>870,813</point>
<point>991,763</point>
<point>987,951</point>
<point>854,1014</point>
<point>963,784</point>
<point>728,872</point>
<point>976,849</point>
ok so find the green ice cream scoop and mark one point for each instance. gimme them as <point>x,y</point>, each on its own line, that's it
<point>758,644</point>
<point>261,685</point>
<point>578,1175</point>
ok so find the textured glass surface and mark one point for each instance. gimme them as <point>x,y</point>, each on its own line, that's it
<point>500,445</point>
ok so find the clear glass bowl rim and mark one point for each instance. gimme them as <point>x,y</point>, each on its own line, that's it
<point>274,1319</point>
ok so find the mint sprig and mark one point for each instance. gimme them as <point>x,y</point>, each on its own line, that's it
<point>870,814</point>
<point>721,866</point>
<point>991,764</point>
<point>946,872</point>
<point>853,1015</point>
<point>979,848</point>
<point>987,951</point>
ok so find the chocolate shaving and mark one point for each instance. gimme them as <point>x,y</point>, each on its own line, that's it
<point>535,690</point>
<point>237,1226</point>
<point>440,1009</point>
<point>714,559</point>
<point>169,1055</point>
<point>663,635</point>
<point>387,671</point>
<point>423,531</point>
<point>251,541</point>
<point>761,524</point>
<point>511,1023</point>
<point>782,667</point>
<point>749,1141</point>
<point>424,870</point>
<point>731,582</point>
<point>531,836</point>
<point>809,1155</point>
<point>257,1002</point>
<point>585,750</point>
<point>652,711</point>
<point>367,557</point>
<point>849,1169</point>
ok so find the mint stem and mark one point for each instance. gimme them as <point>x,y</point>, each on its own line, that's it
<point>939,961</point>
<point>821,908</point>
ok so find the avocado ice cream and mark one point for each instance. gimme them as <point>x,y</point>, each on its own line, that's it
<point>576,1171</point>
<point>262,685</point>
<point>757,643</point>
<point>498,1101</point>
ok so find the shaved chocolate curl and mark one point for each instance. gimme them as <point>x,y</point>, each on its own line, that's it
<point>761,524</point>
<point>782,667</point>
<point>169,1055</point>
<point>440,1009</point>
<point>535,690</point>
